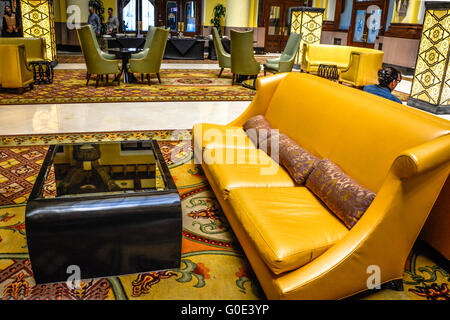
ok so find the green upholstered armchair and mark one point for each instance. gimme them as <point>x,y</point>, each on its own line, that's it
<point>96,63</point>
<point>286,61</point>
<point>222,56</point>
<point>148,42</point>
<point>243,61</point>
<point>151,63</point>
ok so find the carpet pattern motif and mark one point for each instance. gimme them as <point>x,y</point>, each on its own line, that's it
<point>213,265</point>
<point>69,86</point>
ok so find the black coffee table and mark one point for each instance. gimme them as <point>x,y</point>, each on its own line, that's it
<point>125,54</point>
<point>113,210</point>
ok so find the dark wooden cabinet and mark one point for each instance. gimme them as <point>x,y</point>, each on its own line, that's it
<point>180,15</point>
<point>276,21</point>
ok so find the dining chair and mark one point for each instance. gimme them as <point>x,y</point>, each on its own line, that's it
<point>151,63</point>
<point>243,62</point>
<point>286,61</point>
<point>223,57</point>
<point>96,63</point>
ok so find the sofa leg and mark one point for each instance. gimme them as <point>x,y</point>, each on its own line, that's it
<point>396,285</point>
<point>220,73</point>
<point>88,77</point>
<point>159,78</point>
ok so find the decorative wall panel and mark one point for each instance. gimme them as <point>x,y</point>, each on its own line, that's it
<point>38,22</point>
<point>307,21</point>
<point>431,85</point>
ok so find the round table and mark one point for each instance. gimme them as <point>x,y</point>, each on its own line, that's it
<point>125,54</point>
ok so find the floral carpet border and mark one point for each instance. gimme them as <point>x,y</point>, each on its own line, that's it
<point>61,138</point>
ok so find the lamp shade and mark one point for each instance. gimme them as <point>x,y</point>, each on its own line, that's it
<point>38,22</point>
<point>307,21</point>
<point>431,84</point>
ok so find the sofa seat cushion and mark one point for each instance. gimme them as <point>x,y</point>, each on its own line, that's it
<point>288,226</point>
<point>237,168</point>
<point>215,135</point>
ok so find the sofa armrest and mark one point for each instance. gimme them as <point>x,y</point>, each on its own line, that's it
<point>265,88</point>
<point>422,158</point>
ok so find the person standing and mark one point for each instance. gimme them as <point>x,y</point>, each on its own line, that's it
<point>10,28</point>
<point>94,21</point>
<point>112,25</point>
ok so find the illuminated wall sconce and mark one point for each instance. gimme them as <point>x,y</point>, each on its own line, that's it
<point>307,21</point>
<point>38,21</point>
<point>431,84</point>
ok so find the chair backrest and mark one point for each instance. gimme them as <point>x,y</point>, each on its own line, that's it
<point>291,46</point>
<point>156,51</point>
<point>149,37</point>
<point>88,46</point>
<point>242,57</point>
<point>220,51</point>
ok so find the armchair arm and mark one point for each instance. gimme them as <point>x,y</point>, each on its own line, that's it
<point>265,88</point>
<point>286,66</point>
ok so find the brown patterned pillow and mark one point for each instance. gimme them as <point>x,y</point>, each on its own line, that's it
<point>253,126</point>
<point>342,195</point>
<point>297,161</point>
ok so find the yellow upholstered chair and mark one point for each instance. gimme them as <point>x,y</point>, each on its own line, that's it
<point>297,248</point>
<point>14,70</point>
<point>34,47</point>
<point>357,66</point>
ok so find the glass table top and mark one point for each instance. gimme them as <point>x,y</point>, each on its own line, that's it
<point>104,168</point>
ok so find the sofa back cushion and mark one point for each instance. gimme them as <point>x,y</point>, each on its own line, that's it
<point>340,193</point>
<point>360,132</point>
<point>298,162</point>
<point>257,126</point>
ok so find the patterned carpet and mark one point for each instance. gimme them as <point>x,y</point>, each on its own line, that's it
<point>80,59</point>
<point>69,86</point>
<point>213,265</point>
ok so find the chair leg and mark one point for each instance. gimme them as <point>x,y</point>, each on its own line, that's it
<point>148,79</point>
<point>220,73</point>
<point>97,79</point>
<point>107,76</point>
<point>88,77</point>
<point>118,79</point>
<point>232,81</point>
<point>265,73</point>
<point>142,77</point>
<point>159,78</point>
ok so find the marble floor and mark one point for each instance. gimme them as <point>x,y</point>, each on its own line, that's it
<point>98,117</point>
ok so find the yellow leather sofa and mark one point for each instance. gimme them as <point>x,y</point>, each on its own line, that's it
<point>15,72</point>
<point>436,230</point>
<point>34,47</point>
<point>357,66</point>
<point>297,248</point>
